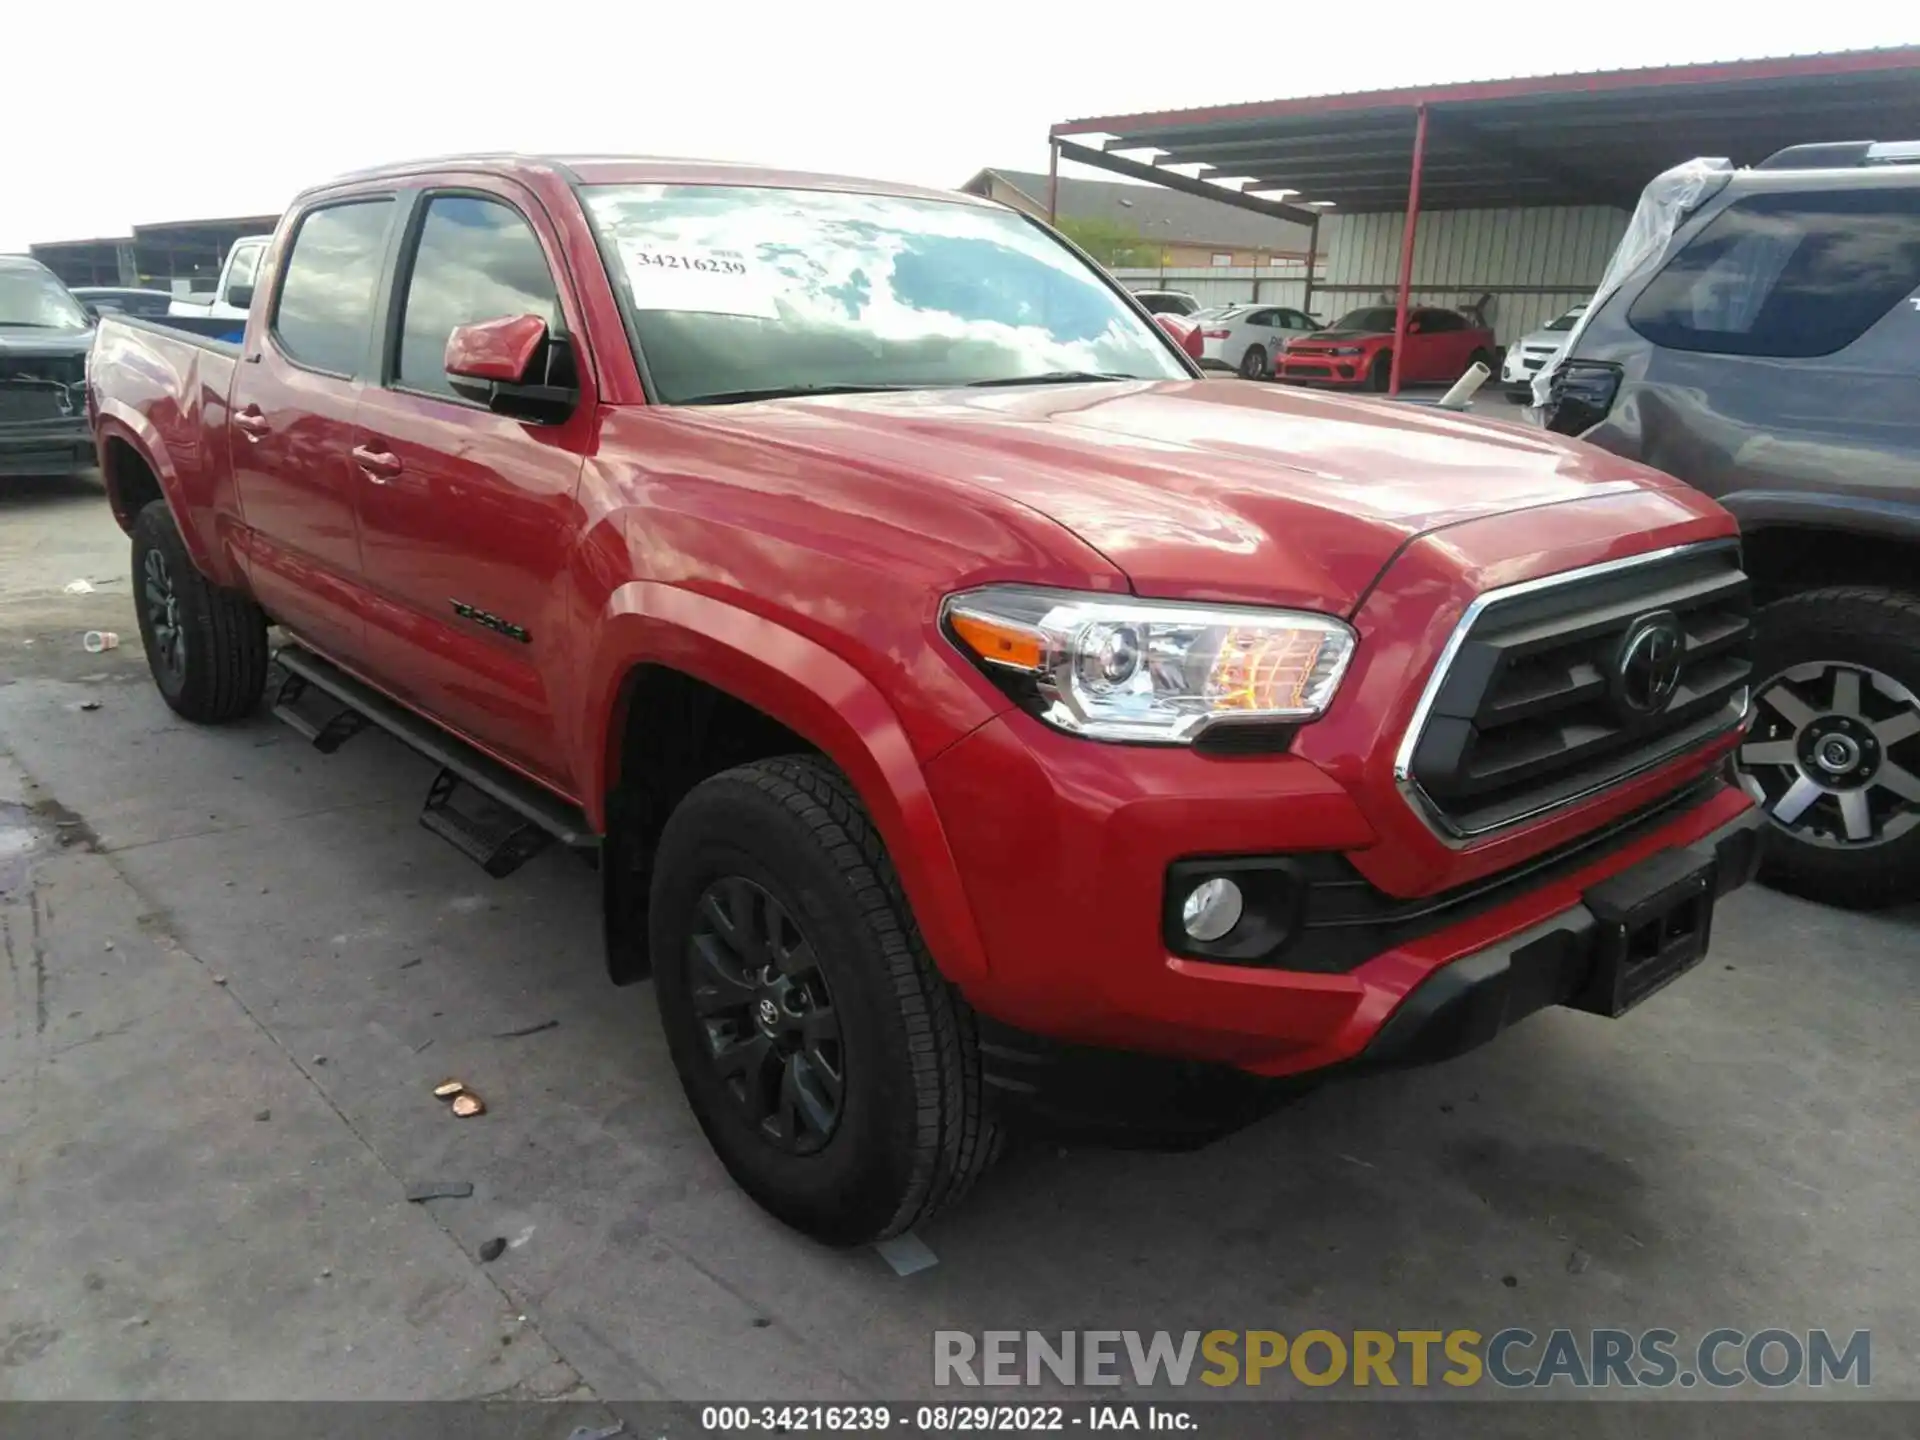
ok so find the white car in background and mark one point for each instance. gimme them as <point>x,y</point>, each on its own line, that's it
<point>233,293</point>
<point>1167,302</point>
<point>1247,337</point>
<point>1535,352</point>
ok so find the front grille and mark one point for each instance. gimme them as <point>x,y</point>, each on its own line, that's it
<point>40,387</point>
<point>1302,367</point>
<point>1543,696</point>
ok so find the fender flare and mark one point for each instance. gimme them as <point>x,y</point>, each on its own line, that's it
<point>118,421</point>
<point>1758,510</point>
<point>815,694</point>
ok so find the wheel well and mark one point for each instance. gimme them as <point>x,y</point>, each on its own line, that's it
<point>131,483</point>
<point>1784,559</point>
<point>672,732</point>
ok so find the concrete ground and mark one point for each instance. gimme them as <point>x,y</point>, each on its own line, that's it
<point>235,968</point>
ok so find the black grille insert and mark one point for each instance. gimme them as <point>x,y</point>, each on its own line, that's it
<point>1533,711</point>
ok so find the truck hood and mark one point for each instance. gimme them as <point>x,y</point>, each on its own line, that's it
<point>1207,490</point>
<point>16,341</point>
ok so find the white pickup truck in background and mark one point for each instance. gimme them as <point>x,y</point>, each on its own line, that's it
<point>234,293</point>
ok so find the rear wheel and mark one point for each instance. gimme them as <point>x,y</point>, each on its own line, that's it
<point>1480,357</point>
<point>1253,364</point>
<point>1380,376</point>
<point>206,646</point>
<point>834,1071</point>
<point>1834,752</point>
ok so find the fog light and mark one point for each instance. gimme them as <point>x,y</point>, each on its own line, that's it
<point>1211,909</point>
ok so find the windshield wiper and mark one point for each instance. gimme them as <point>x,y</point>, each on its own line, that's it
<point>1056,377</point>
<point>783,392</point>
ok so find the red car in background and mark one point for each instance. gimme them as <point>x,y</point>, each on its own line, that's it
<point>1357,349</point>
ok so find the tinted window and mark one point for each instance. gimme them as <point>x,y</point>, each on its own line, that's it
<point>1264,318</point>
<point>735,291</point>
<point>245,262</point>
<point>477,260</point>
<point>1378,320</point>
<point>1790,275</point>
<point>326,300</point>
<point>1433,320</point>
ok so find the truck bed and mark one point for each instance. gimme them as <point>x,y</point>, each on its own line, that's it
<point>204,330</point>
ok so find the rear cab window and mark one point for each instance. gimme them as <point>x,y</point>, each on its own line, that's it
<point>323,317</point>
<point>477,258</point>
<point>1788,275</point>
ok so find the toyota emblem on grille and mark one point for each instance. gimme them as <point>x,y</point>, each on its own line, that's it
<point>1647,670</point>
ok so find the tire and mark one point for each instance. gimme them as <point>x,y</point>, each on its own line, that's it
<point>1380,374</point>
<point>1518,396</point>
<point>1481,357</point>
<point>1253,364</point>
<point>1837,675</point>
<point>786,844</point>
<point>206,646</point>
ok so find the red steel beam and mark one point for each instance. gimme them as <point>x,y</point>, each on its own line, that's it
<point>1406,249</point>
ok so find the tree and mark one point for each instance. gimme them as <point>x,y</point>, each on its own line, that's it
<point>1108,241</point>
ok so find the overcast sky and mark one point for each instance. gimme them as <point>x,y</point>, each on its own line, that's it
<point>120,113</point>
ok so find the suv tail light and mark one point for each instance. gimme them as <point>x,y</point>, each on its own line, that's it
<point>1580,395</point>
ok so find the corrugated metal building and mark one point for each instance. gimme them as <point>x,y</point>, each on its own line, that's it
<point>1522,188</point>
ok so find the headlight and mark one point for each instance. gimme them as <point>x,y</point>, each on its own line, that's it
<point>1150,671</point>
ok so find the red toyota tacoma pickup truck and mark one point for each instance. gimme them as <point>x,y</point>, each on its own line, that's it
<point>955,691</point>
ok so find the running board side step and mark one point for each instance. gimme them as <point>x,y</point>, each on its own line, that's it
<point>505,822</point>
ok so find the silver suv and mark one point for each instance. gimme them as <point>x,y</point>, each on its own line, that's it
<point>1762,343</point>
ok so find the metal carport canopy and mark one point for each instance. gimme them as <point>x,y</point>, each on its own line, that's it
<point>1581,139</point>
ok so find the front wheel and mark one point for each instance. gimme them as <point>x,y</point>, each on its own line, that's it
<point>1253,364</point>
<point>1834,752</point>
<point>1380,376</point>
<point>206,646</point>
<point>834,1071</point>
<point>1480,357</point>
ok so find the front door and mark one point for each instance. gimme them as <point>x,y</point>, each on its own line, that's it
<point>294,397</point>
<point>467,518</point>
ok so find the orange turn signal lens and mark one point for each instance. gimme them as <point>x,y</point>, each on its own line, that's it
<point>999,641</point>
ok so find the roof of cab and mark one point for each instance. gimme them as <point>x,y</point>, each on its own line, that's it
<point>639,170</point>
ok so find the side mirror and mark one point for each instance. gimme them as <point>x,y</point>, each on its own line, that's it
<point>240,296</point>
<point>1185,334</point>
<point>514,367</point>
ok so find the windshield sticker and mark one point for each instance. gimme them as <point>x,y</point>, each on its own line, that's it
<point>710,282</point>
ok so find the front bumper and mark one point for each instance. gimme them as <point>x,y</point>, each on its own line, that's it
<point>1064,848</point>
<point>1323,369</point>
<point>46,447</point>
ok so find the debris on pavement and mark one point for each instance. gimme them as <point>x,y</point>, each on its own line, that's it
<point>439,1190</point>
<point>587,1432</point>
<point>1578,1262</point>
<point>94,641</point>
<point>467,1104</point>
<point>447,1089</point>
<point>89,704</point>
<point>263,1114</point>
<point>908,1254</point>
<point>527,1030</point>
<point>491,1250</point>
<point>82,586</point>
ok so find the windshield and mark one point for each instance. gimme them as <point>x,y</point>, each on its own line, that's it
<point>737,292</point>
<point>1378,318</point>
<point>1568,320</point>
<point>34,300</point>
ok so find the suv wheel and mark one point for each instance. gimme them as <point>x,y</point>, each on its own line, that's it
<point>1834,752</point>
<point>206,647</point>
<point>834,1071</point>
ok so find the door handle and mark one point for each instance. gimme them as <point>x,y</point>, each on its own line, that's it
<point>380,465</point>
<point>251,423</point>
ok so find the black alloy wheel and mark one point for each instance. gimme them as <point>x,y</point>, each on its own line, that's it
<point>771,1030</point>
<point>161,603</point>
